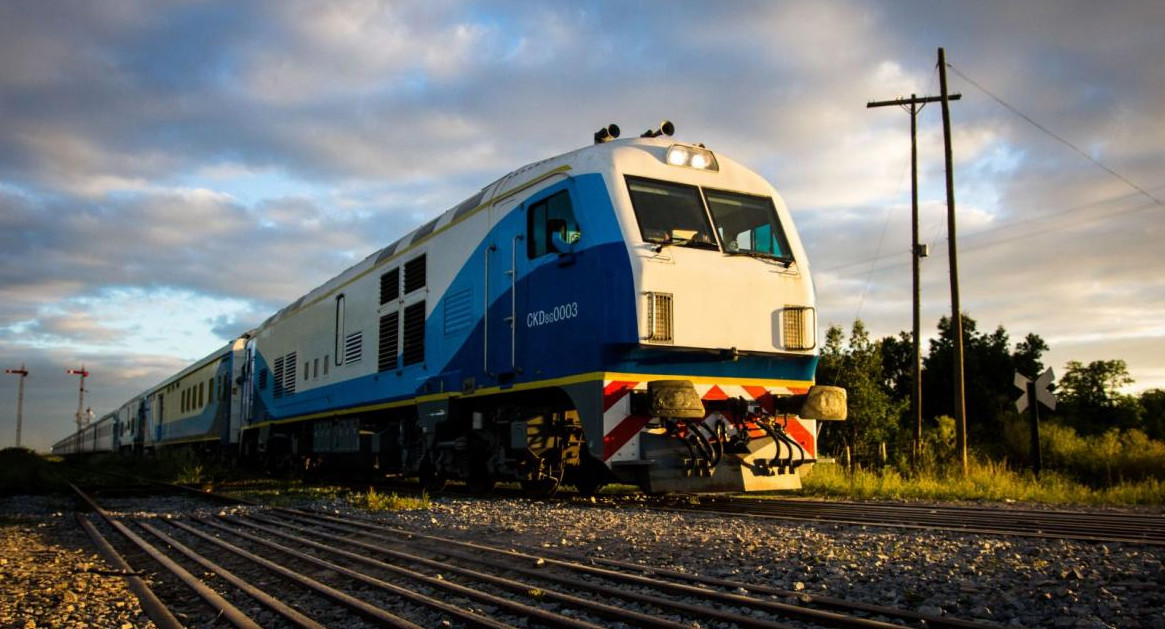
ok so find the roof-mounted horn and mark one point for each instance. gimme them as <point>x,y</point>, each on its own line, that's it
<point>665,128</point>
<point>607,133</point>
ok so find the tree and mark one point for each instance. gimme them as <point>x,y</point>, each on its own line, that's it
<point>1027,356</point>
<point>898,364</point>
<point>1153,417</point>
<point>989,367</point>
<point>1092,399</point>
<point>857,365</point>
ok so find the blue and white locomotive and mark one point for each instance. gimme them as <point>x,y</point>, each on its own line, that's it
<point>637,311</point>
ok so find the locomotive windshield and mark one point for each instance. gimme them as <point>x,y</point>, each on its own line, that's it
<point>747,224</point>
<point>672,213</point>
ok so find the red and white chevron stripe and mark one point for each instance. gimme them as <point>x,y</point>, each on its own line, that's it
<point>621,428</point>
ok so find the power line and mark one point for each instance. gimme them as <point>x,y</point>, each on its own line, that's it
<point>1070,145</point>
<point>1058,220</point>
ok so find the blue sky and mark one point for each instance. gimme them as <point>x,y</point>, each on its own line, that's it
<point>173,173</point>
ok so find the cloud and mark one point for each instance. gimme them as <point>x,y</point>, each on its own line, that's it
<point>234,156</point>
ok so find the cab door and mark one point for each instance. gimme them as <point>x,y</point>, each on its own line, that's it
<point>557,281</point>
<point>505,296</point>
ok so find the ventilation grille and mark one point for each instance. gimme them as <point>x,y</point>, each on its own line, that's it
<point>285,371</point>
<point>289,373</point>
<point>414,350</point>
<point>415,274</point>
<point>389,341</point>
<point>390,286</point>
<point>353,347</point>
<point>799,327</point>
<point>659,318</point>
<point>458,312</point>
<point>279,377</point>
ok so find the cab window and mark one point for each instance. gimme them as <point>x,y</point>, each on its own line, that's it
<point>550,216</point>
<point>747,224</point>
<point>670,213</point>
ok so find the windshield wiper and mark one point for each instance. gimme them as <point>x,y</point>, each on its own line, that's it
<point>684,242</point>
<point>761,255</point>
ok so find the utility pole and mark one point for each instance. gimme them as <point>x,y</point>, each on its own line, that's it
<point>81,396</point>
<point>914,104</point>
<point>23,373</point>
<point>956,311</point>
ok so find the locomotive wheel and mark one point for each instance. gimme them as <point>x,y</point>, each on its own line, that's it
<point>547,485</point>
<point>432,480</point>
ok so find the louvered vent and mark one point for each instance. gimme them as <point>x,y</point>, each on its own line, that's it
<point>279,377</point>
<point>290,370</point>
<point>799,327</point>
<point>390,286</point>
<point>353,347</point>
<point>389,341</point>
<point>415,274</point>
<point>414,345</point>
<point>262,379</point>
<point>660,328</point>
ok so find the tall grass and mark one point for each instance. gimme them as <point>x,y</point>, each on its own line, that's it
<point>1098,461</point>
<point>374,500</point>
<point>985,481</point>
<point>1114,468</point>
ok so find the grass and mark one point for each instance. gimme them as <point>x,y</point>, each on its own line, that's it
<point>985,481</point>
<point>376,501</point>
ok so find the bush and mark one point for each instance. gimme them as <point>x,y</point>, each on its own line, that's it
<point>22,471</point>
<point>1102,460</point>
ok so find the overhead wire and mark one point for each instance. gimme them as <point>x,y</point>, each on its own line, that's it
<point>1056,137</point>
<point>1011,225</point>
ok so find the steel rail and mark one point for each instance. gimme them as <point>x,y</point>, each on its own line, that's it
<point>228,611</point>
<point>291,614</point>
<point>1135,529</point>
<point>519,587</point>
<point>807,598</point>
<point>1126,521</point>
<point>814,615</point>
<point>151,604</point>
<point>362,607</point>
<point>437,584</point>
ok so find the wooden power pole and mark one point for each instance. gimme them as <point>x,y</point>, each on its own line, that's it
<point>956,312</point>
<point>914,104</point>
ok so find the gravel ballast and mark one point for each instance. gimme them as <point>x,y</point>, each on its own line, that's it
<point>52,576</point>
<point>51,566</point>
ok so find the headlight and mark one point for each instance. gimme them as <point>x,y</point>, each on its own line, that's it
<point>692,157</point>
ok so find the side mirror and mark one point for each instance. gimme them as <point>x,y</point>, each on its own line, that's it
<point>564,244</point>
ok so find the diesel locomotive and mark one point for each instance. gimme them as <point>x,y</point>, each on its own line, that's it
<point>639,311</point>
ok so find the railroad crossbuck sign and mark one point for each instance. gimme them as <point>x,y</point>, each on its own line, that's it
<point>1044,394</point>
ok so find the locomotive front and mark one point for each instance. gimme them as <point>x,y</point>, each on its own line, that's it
<point>718,393</point>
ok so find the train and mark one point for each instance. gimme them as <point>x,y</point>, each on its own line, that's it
<point>637,311</point>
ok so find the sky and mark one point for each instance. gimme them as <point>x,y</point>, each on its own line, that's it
<point>172,173</point>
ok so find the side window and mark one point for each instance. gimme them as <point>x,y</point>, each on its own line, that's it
<point>552,215</point>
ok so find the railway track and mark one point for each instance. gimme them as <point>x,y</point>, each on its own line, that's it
<point>1123,527</point>
<point>255,566</point>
